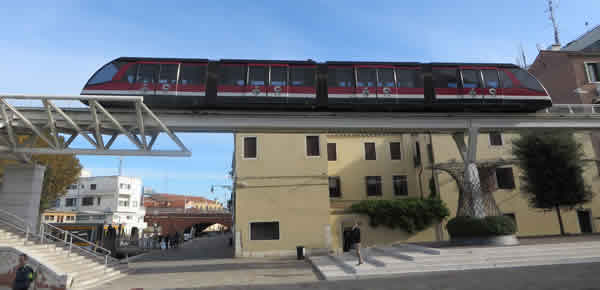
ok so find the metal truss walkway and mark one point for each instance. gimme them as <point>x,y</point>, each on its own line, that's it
<point>142,126</point>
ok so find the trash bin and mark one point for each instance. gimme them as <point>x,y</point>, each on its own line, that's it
<point>300,252</point>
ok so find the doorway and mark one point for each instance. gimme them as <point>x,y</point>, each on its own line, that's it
<point>585,221</point>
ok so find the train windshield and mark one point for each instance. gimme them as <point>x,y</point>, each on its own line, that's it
<point>106,73</point>
<point>527,81</point>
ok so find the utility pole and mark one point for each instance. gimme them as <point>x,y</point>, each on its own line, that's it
<point>553,19</point>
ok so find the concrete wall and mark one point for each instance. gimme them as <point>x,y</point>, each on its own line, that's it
<point>46,278</point>
<point>21,191</point>
<point>281,185</point>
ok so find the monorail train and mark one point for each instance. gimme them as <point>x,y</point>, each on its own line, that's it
<point>308,85</point>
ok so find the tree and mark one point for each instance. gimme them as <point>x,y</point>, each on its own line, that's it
<point>552,165</point>
<point>61,171</point>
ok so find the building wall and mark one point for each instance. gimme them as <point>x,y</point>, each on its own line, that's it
<point>554,71</point>
<point>281,185</point>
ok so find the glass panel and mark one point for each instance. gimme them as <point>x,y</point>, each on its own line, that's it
<point>148,73</point>
<point>168,74</point>
<point>593,72</point>
<point>232,75</point>
<point>302,76</point>
<point>527,81</point>
<point>367,77</point>
<point>341,77</point>
<point>409,78</point>
<point>105,74</point>
<point>400,185</point>
<point>130,74</point>
<point>490,78</point>
<point>257,75</point>
<point>506,81</point>
<point>471,79</point>
<point>386,78</point>
<point>370,151</point>
<point>192,74</point>
<point>445,78</point>
<point>279,76</point>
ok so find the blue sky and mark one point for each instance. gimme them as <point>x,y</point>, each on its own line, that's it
<point>53,47</point>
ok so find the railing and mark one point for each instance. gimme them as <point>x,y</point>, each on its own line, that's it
<point>46,235</point>
<point>47,232</point>
<point>572,109</point>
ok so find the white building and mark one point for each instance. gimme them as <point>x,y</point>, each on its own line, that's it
<point>115,200</point>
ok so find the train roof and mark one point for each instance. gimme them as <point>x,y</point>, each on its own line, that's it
<point>169,59</point>
<point>372,63</point>
<point>308,61</point>
<point>504,65</point>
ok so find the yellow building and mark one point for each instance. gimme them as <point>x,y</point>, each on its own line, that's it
<point>59,217</point>
<point>295,189</point>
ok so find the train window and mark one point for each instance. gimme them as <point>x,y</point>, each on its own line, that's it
<point>367,77</point>
<point>279,76</point>
<point>105,74</point>
<point>409,78</point>
<point>302,76</point>
<point>386,78</point>
<point>192,74</point>
<point>527,81</point>
<point>148,73</point>
<point>233,75</point>
<point>471,79</point>
<point>341,77</point>
<point>445,78</point>
<point>130,74</point>
<point>506,81</point>
<point>490,78</point>
<point>257,75</point>
<point>168,74</point>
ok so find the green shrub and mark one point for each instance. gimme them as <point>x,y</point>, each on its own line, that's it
<point>466,227</point>
<point>409,214</point>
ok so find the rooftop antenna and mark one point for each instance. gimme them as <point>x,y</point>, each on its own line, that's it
<point>553,19</point>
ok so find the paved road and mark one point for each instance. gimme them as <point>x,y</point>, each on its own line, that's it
<point>208,262</point>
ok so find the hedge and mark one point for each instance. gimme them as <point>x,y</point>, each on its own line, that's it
<point>409,214</point>
<point>469,227</point>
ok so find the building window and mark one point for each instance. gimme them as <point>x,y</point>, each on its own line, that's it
<point>495,139</point>
<point>70,202</point>
<point>370,151</point>
<point>70,218</point>
<point>48,217</point>
<point>134,204</point>
<point>99,199</point>
<point>505,178</point>
<point>334,187</point>
<point>93,186</point>
<point>249,147</point>
<point>73,186</point>
<point>124,203</point>
<point>128,217</point>
<point>83,217</point>
<point>312,146</point>
<point>395,151</point>
<point>513,217</point>
<point>373,185</point>
<point>417,154</point>
<point>400,185</point>
<point>87,201</point>
<point>82,186</point>
<point>128,186</point>
<point>331,152</point>
<point>593,72</point>
<point>264,231</point>
<point>57,203</point>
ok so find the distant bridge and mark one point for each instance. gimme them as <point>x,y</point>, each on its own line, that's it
<point>173,220</point>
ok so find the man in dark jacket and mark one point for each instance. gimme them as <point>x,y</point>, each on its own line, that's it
<point>356,241</point>
<point>24,274</point>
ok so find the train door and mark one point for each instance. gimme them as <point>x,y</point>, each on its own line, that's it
<point>278,83</point>
<point>166,86</point>
<point>446,85</point>
<point>302,87</point>
<point>366,84</point>
<point>191,87</point>
<point>409,83</point>
<point>472,90</point>
<point>492,91</point>
<point>341,82</point>
<point>257,82</point>
<point>386,85</point>
<point>146,79</point>
<point>232,83</point>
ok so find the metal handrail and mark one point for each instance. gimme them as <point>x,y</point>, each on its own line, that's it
<point>572,109</point>
<point>25,227</point>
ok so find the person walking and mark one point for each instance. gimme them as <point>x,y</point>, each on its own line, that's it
<point>356,241</point>
<point>24,274</point>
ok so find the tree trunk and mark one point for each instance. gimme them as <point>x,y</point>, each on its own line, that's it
<point>560,221</point>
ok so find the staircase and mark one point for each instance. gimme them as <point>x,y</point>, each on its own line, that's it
<point>406,259</point>
<point>56,250</point>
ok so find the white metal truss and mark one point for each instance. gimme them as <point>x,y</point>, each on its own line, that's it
<point>54,122</point>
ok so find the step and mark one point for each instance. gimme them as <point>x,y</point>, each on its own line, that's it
<point>98,280</point>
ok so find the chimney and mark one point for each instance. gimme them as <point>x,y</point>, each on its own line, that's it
<point>555,47</point>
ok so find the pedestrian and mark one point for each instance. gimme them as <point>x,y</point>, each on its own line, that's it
<point>163,245</point>
<point>167,241</point>
<point>24,274</point>
<point>176,239</point>
<point>356,241</point>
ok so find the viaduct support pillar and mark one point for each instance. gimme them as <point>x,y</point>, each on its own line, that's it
<point>21,192</point>
<point>472,185</point>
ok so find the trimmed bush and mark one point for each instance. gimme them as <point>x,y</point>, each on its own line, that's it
<point>470,227</point>
<point>409,214</point>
